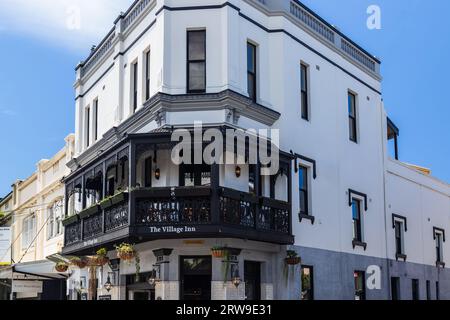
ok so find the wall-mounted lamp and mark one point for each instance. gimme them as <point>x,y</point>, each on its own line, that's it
<point>238,171</point>
<point>108,284</point>
<point>154,277</point>
<point>157,174</point>
<point>236,279</point>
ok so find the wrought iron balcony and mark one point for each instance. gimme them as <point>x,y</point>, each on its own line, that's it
<point>146,214</point>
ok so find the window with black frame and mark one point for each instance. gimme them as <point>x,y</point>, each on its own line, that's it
<point>357,223</point>
<point>147,75</point>
<point>196,61</point>
<point>251,70</point>
<point>304,91</point>
<point>352,117</point>
<point>135,85</point>
<point>195,175</point>
<point>399,237</point>
<point>303,189</point>
<point>439,251</point>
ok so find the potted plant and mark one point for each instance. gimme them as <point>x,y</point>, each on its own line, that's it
<point>292,258</point>
<point>61,267</point>
<point>125,252</point>
<point>218,252</point>
<point>100,259</point>
<point>79,262</point>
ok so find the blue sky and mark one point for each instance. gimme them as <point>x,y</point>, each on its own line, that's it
<point>40,48</point>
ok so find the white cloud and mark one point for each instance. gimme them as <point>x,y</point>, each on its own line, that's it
<point>7,112</point>
<point>75,24</point>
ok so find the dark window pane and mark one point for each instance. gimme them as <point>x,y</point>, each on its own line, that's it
<point>197,76</point>
<point>197,45</point>
<point>304,105</point>
<point>251,86</point>
<point>360,285</point>
<point>251,58</point>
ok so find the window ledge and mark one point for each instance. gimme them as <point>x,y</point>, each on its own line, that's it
<point>357,243</point>
<point>306,217</point>
<point>440,264</point>
<point>401,256</point>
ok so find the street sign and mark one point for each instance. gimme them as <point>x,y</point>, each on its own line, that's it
<point>5,246</point>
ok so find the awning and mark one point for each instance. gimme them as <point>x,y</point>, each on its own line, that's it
<point>37,270</point>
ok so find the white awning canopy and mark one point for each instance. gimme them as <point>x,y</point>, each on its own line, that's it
<point>38,270</point>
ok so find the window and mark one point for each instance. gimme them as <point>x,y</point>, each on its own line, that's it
<point>147,75</point>
<point>438,295</point>
<point>428,290</point>
<point>87,126</point>
<point>95,119</point>
<point>352,117</point>
<point>357,224</point>
<point>395,288</point>
<point>399,237</point>
<point>195,175</point>
<point>196,61</point>
<point>439,252</point>
<point>134,85</point>
<point>304,91</point>
<point>54,220</point>
<point>360,285</point>
<point>303,186</point>
<point>28,231</point>
<point>307,283</point>
<point>251,71</point>
<point>148,173</point>
<point>415,289</point>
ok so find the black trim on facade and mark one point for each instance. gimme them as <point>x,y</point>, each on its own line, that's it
<point>260,26</point>
<point>436,229</point>
<point>306,159</point>
<point>360,194</point>
<point>399,217</point>
<point>96,82</point>
<point>356,243</point>
<point>307,217</point>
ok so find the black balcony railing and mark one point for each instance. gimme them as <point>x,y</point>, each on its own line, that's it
<point>239,214</point>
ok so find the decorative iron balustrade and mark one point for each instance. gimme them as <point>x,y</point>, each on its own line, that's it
<point>174,211</point>
<point>312,22</point>
<point>72,233</point>
<point>93,226</point>
<point>155,207</point>
<point>237,211</point>
<point>116,217</point>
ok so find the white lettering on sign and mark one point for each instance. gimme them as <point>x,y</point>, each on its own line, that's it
<point>172,229</point>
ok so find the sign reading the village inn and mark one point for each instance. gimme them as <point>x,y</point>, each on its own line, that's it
<point>172,229</point>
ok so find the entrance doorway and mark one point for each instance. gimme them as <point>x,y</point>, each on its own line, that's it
<point>195,278</point>
<point>252,277</point>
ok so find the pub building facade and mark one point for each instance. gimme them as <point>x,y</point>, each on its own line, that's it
<point>331,209</point>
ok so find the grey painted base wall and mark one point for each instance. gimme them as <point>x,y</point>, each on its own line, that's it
<point>333,277</point>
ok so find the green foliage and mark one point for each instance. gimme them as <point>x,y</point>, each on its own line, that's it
<point>102,252</point>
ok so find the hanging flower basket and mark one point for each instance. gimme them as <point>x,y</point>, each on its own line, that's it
<point>61,267</point>
<point>79,262</point>
<point>100,259</point>
<point>219,252</point>
<point>126,252</point>
<point>292,258</point>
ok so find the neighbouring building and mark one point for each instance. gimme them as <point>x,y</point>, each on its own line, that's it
<point>37,205</point>
<point>5,243</point>
<point>350,211</point>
